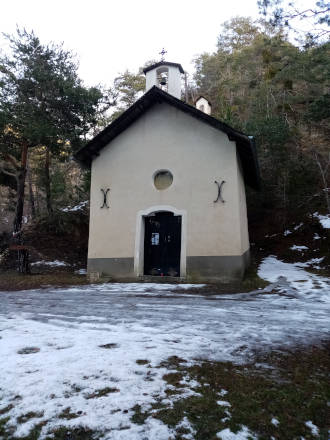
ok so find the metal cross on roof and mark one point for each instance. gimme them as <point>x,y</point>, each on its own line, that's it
<point>162,53</point>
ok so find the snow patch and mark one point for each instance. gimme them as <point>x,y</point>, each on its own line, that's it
<point>81,271</point>
<point>314,429</point>
<point>243,434</point>
<point>148,288</point>
<point>223,392</point>
<point>78,207</point>
<point>298,248</point>
<point>323,219</point>
<point>274,421</point>
<point>55,263</point>
<point>185,424</point>
<point>223,403</point>
<point>273,270</point>
<point>313,262</point>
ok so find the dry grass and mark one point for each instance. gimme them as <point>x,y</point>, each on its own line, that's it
<point>11,280</point>
<point>292,387</point>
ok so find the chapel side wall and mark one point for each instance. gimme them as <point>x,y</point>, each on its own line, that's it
<point>245,242</point>
<point>244,228</point>
<point>197,155</point>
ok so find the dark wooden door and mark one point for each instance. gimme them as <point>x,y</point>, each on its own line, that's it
<point>162,245</point>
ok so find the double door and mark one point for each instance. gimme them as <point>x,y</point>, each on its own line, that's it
<point>162,245</point>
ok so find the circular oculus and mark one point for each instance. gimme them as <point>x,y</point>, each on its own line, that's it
<point>163,179</point>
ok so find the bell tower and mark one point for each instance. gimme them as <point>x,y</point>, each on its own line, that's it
<point>166,76</point>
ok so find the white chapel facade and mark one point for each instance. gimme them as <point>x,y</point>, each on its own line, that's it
<point>168,189</point>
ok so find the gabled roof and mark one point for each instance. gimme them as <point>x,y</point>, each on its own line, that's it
<point>245,144</point>
<point>163,63</point>
<point>201,96</point>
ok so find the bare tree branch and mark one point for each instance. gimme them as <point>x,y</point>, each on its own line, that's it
<point>8,173</point>
<point>12,160</point>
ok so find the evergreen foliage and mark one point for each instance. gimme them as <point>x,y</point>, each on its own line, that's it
<point>315,18</point>
<point>44,105</point>
<point>260,83</point>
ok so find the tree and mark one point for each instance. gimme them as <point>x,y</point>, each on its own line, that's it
<point>129,87</point>
<point>42,103</point>
<point>286,13</point>
<point>237,33</point>
<point>260,83</point>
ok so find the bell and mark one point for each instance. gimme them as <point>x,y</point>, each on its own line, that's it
<point>163,82</point>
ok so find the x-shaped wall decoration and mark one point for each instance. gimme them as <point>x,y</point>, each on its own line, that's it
<point>219,185</point>
<point>105,194</point>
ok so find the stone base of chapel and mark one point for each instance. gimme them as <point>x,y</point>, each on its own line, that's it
<point>223,269</point>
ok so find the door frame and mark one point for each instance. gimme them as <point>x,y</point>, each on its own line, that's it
<point>139,237</point>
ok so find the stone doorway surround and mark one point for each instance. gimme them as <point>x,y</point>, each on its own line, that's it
<point>139,237</point>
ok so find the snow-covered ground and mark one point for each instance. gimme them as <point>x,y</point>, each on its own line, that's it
<point>78,207</point>
<point>60,347</point>
<point>298,248</point>
<point>296,281</point>
<point>55,263</point>
<point>324,220</point>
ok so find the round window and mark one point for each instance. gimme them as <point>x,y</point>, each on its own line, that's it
<point>163,179</point>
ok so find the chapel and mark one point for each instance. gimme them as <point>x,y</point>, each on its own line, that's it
<point>167,192</point>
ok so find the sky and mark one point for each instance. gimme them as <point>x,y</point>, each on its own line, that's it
<point>111,36</point>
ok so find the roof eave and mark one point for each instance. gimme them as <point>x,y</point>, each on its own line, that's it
<point>163,63</point>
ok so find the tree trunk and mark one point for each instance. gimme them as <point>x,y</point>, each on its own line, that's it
<point>23,254</point>
<point>21,175</point>
<point>31,194</point>
<point>47,183</point>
